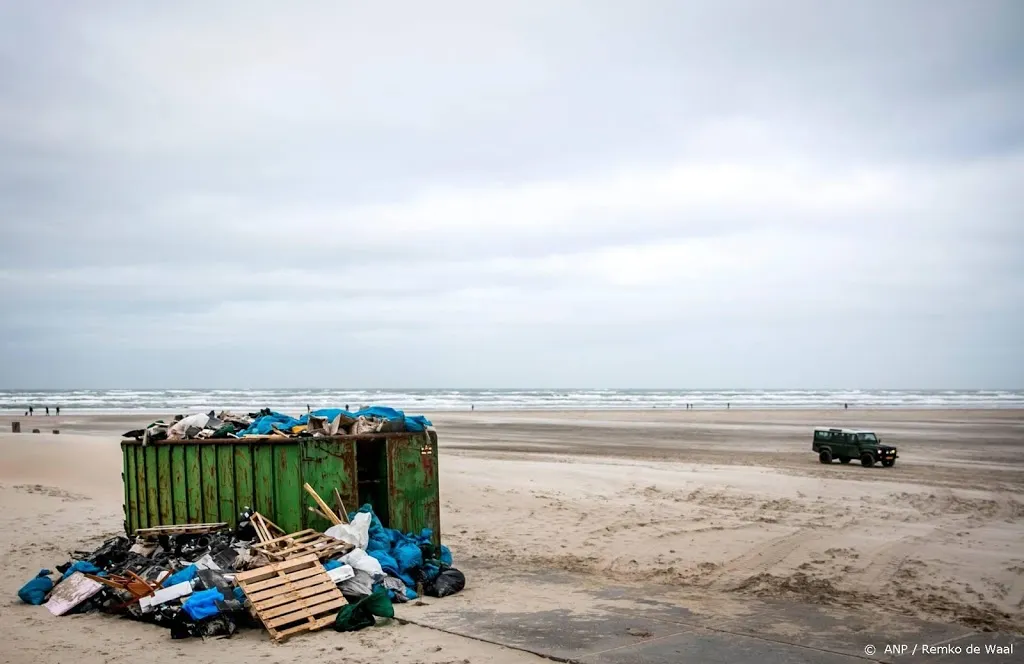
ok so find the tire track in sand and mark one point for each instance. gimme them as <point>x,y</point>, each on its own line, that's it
<point>887,562</point>
<point>763,558</point>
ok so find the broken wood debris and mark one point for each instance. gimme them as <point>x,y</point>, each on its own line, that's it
<point>302,543</point>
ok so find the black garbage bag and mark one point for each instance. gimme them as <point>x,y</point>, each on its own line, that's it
<point>210,579</point>
<point>448,582</point>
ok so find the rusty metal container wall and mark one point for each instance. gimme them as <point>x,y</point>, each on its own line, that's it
<point>188,481</point>
<point>414,499</point>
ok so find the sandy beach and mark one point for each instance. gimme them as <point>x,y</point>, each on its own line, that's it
<point>714,504</point>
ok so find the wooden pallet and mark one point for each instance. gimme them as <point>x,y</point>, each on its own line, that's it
<point>302,543</point>
<point>292,596</point>
<point>266,529</point>
<point>180,529</point>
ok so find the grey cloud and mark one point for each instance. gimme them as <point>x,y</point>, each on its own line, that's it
<point>513,194</point>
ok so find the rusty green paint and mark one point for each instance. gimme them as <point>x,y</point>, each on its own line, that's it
<point>328,465</point>
<point>179,495</point>
<point>413,491</point>
<point>192,482</point>
<point>208,468</point>
<point>152,485</point>
<point>288,487</point>
<point>226,482</point>
<point>263,479</point>
<point>140,481</point>
<point>131,489</point>
<point>243,476</point>
<point>163,483</point>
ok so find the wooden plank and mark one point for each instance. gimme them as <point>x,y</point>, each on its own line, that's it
<point>299,609</point>
<point>324,507</point>
<point>276,579</point>
<point>342,514</point>
<point>71,592</point>
<point>310,627</point>
<point>313,584</point>
<point>288,538</point>
<point>321,552</point>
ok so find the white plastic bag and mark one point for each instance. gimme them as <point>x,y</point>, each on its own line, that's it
<point>360,560</point>
<point>356,533</point>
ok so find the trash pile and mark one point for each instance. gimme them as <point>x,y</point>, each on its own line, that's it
<point>204,580</point>
<point>323,422</point>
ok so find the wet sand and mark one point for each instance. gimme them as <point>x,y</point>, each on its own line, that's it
<point>717,504</point>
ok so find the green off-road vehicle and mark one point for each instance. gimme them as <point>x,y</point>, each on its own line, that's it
<point>846,444</point>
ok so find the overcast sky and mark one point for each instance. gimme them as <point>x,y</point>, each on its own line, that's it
<point>524,194</point>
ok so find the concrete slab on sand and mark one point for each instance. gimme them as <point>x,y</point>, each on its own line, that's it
<point>572,620</point>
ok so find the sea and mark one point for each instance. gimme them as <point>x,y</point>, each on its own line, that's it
<point>416,400</point>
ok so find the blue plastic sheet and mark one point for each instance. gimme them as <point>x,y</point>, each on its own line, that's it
<point>82,566</point>
<point>34,592</point>
<point>202,604</point>
<point>265,424</point>
<point>181,576</point>
<point>412,422</point>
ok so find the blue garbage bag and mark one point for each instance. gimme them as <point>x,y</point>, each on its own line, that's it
<point>81,566</point>
<point>387,563</point>
<point>408,555</point>
<point>202,604</point>
<point>332,564</point>
<point>446,555</point>
<point>181,576</point>
<point>34,592</point>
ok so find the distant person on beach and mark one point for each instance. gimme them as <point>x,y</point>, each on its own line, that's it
<point>47,411</point>
<point>58,411</point>
<point>472,407</point>
<point>346,406</point>
<point>31,411</point>
<point>846,406</point>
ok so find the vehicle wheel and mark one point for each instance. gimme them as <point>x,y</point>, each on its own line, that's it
<point>844,459</point>
<point>889,463</point>
<point>867,460</point>
<point>825,456</point>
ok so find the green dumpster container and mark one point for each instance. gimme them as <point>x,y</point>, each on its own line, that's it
<point>172,482</point>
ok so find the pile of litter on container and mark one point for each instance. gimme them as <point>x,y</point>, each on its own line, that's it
<point>205,580</point>
<point>323,422</point>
